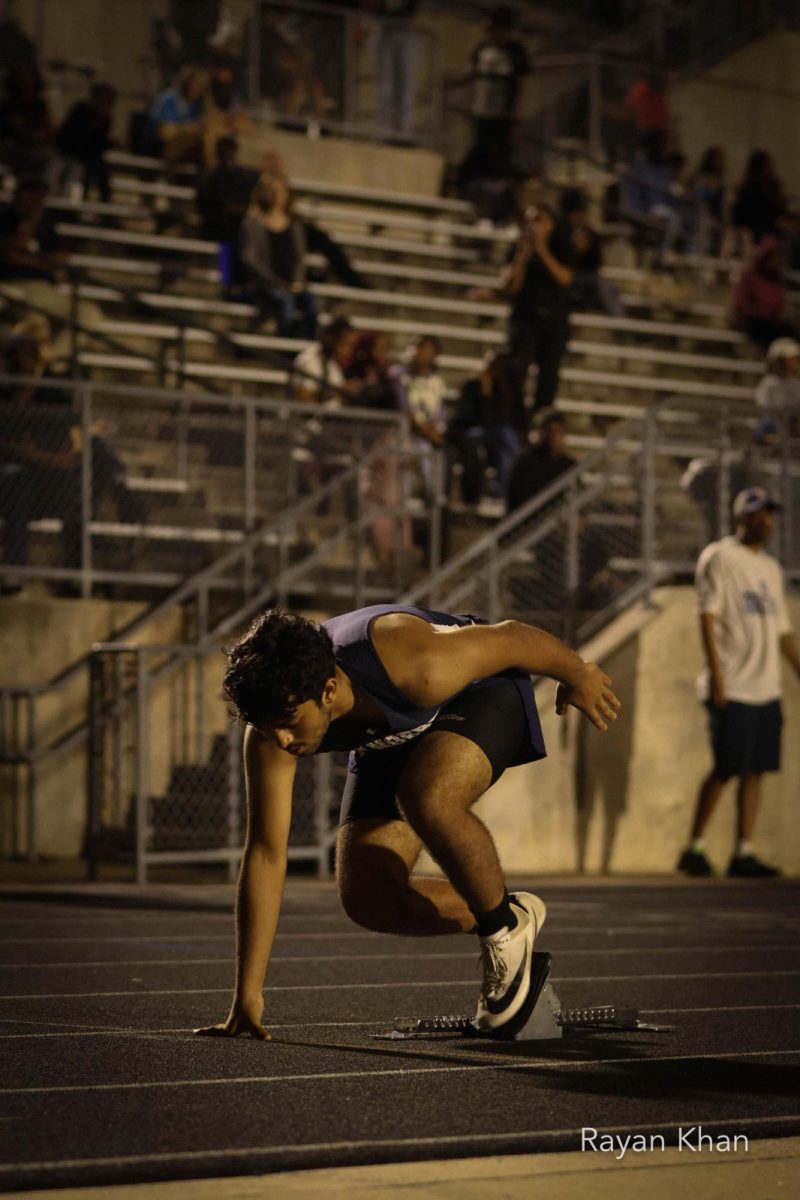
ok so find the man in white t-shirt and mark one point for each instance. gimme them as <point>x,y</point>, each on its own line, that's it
<point>745,628</point>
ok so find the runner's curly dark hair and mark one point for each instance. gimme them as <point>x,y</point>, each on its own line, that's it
<point>281,661</point>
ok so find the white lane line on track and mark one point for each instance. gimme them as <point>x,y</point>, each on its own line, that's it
<point>348,933</point>
<point>335,987</point>
<point>607,952</point>
<point>145,916</point>
<point>71,1031</point>
<point>481,1139</point>
<point>500,1063</point>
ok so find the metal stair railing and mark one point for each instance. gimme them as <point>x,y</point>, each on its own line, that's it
<point>237,573</point>
<point>195,825</point>
<point>616,524</point>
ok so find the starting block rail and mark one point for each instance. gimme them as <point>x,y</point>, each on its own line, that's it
<point>548,1020</point>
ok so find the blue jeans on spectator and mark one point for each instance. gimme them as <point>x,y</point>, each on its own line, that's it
<point>481,445</point>
<point>295,312</point>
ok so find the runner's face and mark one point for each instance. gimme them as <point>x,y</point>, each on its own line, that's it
<point>302,731</point>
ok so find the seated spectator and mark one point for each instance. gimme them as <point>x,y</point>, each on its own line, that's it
<point>541,462</point>
<point>759,297</point>
<point>648,191</point>
<point>272,228</point>
<point>85,137</point>
<point>31,346</point>
<point>538,278</point>
<point>39,461</point>
<point>27,133</point>
<point>318,371</point>
<point>588,288</point>
<point>488,426</point>
<point>778,392</point>
<point>30,248</point>
<point>224,114</point>
<point>272,250</point>
<point>369,369</point>
<point>760,200</point>
<point>421,392</point>
<point>175,129</point>
<point>223,195</point>
<point>707,187</point>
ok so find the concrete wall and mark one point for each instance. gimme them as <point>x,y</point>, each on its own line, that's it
<point>39,638</point>
<point>719,108</point>
<point>622,802</point>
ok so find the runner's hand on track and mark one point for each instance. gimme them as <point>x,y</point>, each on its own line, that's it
<point>591,693</point>
<point>242,1020</point>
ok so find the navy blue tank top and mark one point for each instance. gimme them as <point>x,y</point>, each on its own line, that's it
<point>356,655</point>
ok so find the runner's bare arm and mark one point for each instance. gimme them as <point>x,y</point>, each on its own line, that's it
<point>429,665</point>
<point>269,776</point>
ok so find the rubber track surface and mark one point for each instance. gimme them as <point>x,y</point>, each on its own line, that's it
<point>103,1083</point>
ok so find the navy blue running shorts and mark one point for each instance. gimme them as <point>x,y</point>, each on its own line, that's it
<point>745,738</point>
<point>493,717</point>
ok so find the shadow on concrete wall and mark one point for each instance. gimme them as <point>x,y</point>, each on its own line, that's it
<point>602,764</point>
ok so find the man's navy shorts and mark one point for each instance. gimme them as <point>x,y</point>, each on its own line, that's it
<point>493,717</point>
<point>745,738</point>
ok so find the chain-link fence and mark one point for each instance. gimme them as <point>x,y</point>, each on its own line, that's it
<point>624,518</point>
<point>105,484</point>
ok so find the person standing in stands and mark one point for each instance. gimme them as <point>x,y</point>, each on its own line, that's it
<point>745,628</point>
<point>395,66</point>
<point>223,197</point>
<point>175,120</point>
<point>538,278</point>
<point>499,63</point>
<point>589,289</point>
<point>85,137</point>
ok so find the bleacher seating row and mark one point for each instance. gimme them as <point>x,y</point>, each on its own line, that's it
<point>165,320</point>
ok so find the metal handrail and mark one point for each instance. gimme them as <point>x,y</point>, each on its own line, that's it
<point>554,491</point>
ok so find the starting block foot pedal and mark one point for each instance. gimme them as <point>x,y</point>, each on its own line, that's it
<point>541,1019</point>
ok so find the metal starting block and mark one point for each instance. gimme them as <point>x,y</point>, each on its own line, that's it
<point>547,1021</point>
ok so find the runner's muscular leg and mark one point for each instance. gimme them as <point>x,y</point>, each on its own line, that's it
<point>443,778</point>
<point>374,860</point>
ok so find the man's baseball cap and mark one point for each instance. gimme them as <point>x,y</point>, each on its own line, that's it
<point>783,347</point>
<point>753,499</point>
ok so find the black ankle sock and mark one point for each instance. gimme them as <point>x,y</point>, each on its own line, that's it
<point>491,922</point>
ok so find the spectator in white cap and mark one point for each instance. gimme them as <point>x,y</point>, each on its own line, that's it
<point>745,628</point>
<point>778,391</point>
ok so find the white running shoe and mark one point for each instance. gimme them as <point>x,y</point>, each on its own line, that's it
<point>506,960</point>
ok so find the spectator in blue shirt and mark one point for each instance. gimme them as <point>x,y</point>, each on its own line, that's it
<point>649,191</point>
<point>175,118</point>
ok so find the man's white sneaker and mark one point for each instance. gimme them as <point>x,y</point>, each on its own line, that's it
<point>506,960</point>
